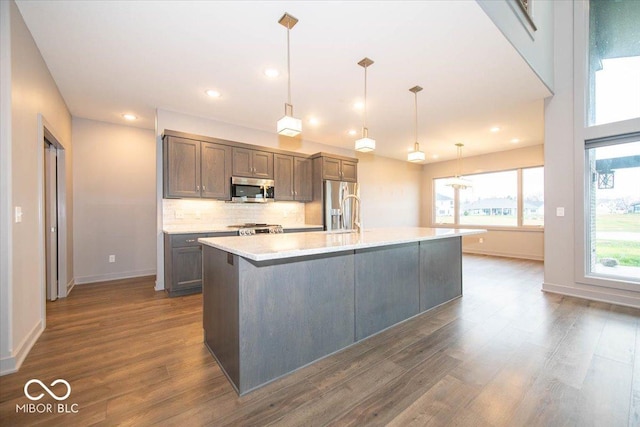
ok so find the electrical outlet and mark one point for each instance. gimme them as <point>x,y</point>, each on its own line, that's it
<point>559,211</point>
<point>481,240</point>
<point>112,258</point>
<point>179,214</point>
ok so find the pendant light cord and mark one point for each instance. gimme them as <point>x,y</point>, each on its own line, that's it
<point>288,67</point>
<point>416,122</point>
<point>364,121</point>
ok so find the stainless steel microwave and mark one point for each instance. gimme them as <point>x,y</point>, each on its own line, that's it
<point>251,190</point>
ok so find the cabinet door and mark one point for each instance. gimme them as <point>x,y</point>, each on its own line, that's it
<point>242,162</point>
<point>181,167</point>
<point>187,268</point>
<point>349,171</point>
<point>331,169</point>
<point>283,177</point>
<point>302,185</point>
<point>216,171</point>
<point>262,163</point>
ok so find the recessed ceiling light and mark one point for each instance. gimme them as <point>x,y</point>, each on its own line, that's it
<point>495,129</point>
<point>129,117</point>
<point>515,140</point>
<point>213,93</point>
<point>353,132</point>
<point>358,105</point>
<point>313,121</point>
<point>271,72</point>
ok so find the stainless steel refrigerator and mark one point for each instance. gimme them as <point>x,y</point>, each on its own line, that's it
<point>338,211</point>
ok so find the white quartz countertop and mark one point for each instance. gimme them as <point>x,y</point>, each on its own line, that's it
<point>265,247</point>
<point>208,228</point>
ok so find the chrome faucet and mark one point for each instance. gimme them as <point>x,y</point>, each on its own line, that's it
<point>355,213</point>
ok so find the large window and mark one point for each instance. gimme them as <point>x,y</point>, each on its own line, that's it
<point>614,200</point>
<point>614,61</point>
<point>612,148</point>
<point>511,198</point>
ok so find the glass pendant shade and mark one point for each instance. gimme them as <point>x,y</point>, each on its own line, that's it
<point>416,155</point>
<point>289,125</point>
<point>365,145</point>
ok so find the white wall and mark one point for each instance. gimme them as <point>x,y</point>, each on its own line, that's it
<point>536,47</point>
<point>114,201</point>
<point>564,170</point>
<point>33,92</point>
<point>517,243</point>
<point>380,177</point>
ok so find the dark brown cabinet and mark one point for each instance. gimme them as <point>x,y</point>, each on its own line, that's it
<point>252,163</point>
<point>339,169</point>
<point>183,262</point>
<point>196,169</point>
<point>292,176</point>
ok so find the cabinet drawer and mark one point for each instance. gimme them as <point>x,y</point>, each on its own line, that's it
<point>182,240</point>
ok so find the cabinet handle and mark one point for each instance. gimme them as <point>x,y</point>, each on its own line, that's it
<point>295,193</point>
<point>204,188</point>
<point>197,188</point>
<point>190,240</point>
<point>292,192</point>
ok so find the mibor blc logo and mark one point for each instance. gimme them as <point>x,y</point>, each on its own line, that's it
<point>42,408</point>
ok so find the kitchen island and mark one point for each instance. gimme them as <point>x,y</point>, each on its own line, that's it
<point>273,303</point>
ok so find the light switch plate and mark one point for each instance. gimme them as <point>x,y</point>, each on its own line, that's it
<point>559,211</point>
<point>18,214</point>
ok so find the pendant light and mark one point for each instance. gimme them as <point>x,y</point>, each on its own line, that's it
<point>365,144</point>
<point>458,182</point>
<point>288,125</point>
<point>416,155</point>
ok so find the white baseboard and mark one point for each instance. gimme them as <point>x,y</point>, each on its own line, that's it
<point>113,276</point>
<point>504,254</point>
<point>70,286</point>
<point>9,365</point>
<point>592,294</point>
<point>159,286</point>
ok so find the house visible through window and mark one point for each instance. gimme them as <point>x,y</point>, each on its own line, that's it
<point>493,200</point>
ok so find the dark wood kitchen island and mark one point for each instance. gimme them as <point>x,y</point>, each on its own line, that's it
<point>276,302</point>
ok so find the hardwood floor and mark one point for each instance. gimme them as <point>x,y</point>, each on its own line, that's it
<point>506,354</point>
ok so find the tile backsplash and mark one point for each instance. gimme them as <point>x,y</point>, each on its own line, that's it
<point>214,212</point>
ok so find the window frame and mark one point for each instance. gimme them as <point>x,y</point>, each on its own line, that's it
<point>608,133</point>
<point>456,205</point>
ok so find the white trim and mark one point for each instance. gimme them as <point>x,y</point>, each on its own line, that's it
<point>113,276</point>
<point>9,365</point>
<point>592,294</point>
<point>6,223</point>
<point>503,254</point>
<point>70,286</point>
<point>606,130</point>
<point>159,218</point>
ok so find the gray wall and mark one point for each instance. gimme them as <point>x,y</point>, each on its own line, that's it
<point>114,201</point>
<point>32,92</point>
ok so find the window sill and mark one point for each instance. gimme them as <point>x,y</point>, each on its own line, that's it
<point>491,228</point>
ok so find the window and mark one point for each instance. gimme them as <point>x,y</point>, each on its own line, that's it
<point>614,200</point>
<point>444,202</point>
<point>533,197</point>
<point>614,61</point>
<point>493,200</point>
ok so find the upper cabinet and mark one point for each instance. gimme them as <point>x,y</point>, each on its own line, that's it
<point>292,177</point>
<point>339,169</point>
<point>196,169</point>
<point>252,163</point>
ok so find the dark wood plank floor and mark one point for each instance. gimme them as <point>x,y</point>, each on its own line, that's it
<point>506,354</point>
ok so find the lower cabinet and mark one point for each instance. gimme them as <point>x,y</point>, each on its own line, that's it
<point>183,262</point>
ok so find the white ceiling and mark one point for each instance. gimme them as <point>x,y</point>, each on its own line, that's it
<point>111,57</point>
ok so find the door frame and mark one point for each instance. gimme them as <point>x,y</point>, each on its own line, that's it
<point>45,130</point>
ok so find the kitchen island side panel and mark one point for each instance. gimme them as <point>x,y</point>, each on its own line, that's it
<point>386,287</point>
<point>293,312</point>
<point>440,271</point>
<point>220,309</point>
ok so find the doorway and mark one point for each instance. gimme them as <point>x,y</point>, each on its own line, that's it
<point>51,219</point>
